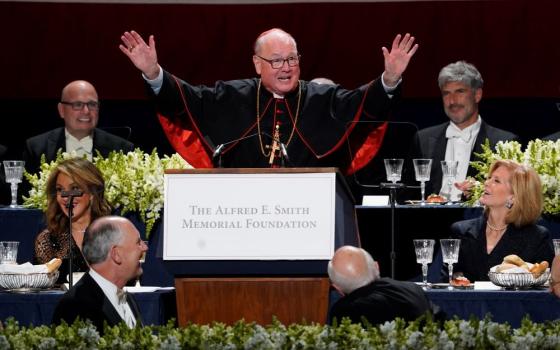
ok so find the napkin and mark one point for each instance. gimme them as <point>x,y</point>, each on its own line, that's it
<point>25,268</point>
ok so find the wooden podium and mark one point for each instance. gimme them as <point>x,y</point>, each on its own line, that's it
<point>226,269</point>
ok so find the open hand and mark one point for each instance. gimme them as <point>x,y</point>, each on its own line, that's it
<point>142,55</point>
<point>398,58</point>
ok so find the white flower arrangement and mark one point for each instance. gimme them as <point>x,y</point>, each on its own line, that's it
<point>133,181</point>
<point>543,156</point>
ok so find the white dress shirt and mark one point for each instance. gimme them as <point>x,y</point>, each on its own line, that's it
<point>81,147</point>
<point>110,291</point>
<point>460,144</point>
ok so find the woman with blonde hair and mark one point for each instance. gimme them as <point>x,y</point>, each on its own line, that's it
<point>513,203</point>
<point>55,242</point>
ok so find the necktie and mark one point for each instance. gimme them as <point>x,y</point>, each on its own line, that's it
<point>121,296</point>
<point>453,132</point>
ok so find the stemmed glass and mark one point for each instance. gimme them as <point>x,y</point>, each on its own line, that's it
<point>393,168</point>
<point>424,252</point>
<point>14,173</point>
<point>141,260</point>
<point>450,252</point>
<point>449,170</point>
<point>422,169</point>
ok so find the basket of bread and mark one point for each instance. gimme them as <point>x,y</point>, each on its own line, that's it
<point>28,276</point>
<point>515,273</point>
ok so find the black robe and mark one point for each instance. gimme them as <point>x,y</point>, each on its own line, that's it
<point>197,119</point>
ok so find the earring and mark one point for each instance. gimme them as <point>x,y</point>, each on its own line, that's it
<point>509,203</point>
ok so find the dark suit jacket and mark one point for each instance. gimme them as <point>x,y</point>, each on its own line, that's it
<point>87,301</point>
<point>531,243</point>
<point>553,137</point>
<point>431,143</point>
<point>383,300</point>
<point>50,142</point>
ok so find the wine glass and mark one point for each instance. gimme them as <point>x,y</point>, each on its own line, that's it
<point>450,252</point>
<point>393,168</point>
<point>13,170</point>
<point>422,169</point>
<point>424,252</point>
<point>449,170</point>
<point>141,260</point>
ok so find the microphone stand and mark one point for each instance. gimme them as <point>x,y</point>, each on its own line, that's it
<point>70,205</point>
<point>393,187</point>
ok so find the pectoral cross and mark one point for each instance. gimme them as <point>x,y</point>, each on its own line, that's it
<point>275,146</point>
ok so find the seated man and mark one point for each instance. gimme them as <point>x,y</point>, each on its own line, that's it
<point>355,274</point>
<point>554,282</point>
<point>112,247</point>
<point>79,107</point>
<point>461,90</point>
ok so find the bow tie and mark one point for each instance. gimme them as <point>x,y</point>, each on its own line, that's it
<point>121,296</point>
<point>452,132</point>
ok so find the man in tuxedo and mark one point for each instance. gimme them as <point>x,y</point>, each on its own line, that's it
<point>461,90</point>
<point>79,107</point>
<point>355,274</point>
<point>112,247</point>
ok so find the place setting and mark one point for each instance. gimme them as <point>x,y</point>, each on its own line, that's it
<point>25,278</point>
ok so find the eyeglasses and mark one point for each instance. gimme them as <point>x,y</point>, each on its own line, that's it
<point>79,105</point>
<point>278,63</point>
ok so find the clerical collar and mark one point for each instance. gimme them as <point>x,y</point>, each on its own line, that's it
<point>289,94</point>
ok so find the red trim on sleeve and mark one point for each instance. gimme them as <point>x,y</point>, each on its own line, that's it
<point>365,153</point>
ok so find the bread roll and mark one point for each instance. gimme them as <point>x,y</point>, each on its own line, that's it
<point>53,265</point>
<point>539,268</point>
<point>514,259</point>
<point>505,266</point>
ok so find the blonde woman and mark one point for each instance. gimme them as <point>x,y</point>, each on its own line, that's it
<point>513,203</point>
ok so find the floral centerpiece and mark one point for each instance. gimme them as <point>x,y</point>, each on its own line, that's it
<point>133,181</point>
<point>398,334</point>
<point>543,156</point>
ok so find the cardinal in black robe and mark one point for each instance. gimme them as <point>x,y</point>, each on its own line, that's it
<point>276,119</point>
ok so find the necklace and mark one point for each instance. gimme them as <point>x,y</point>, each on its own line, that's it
<point>262,147</point>
<point>494,228</point>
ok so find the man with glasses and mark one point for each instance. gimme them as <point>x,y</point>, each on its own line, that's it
<point>255,122</point>
<point>79,107</point>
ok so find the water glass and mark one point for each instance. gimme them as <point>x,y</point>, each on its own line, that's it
<point>9,252</point>
<point>393,168</point>
<point>424,249</point>
<point>422,169</point>
<point>450,252</point>
<point>13,169</point>
<point>449,170</point>
<point>556,246</point>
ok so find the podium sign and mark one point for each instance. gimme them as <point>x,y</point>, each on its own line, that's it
<point>249,216</point>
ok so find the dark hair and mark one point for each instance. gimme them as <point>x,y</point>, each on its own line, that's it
<point>89,179</point>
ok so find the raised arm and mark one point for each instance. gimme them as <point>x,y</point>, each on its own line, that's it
<point>142,55</point>
<point>397,59</point>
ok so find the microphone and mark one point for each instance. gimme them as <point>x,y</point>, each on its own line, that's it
<point>217,154</point>
<point>71,193</point>
<point>284,151</point>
